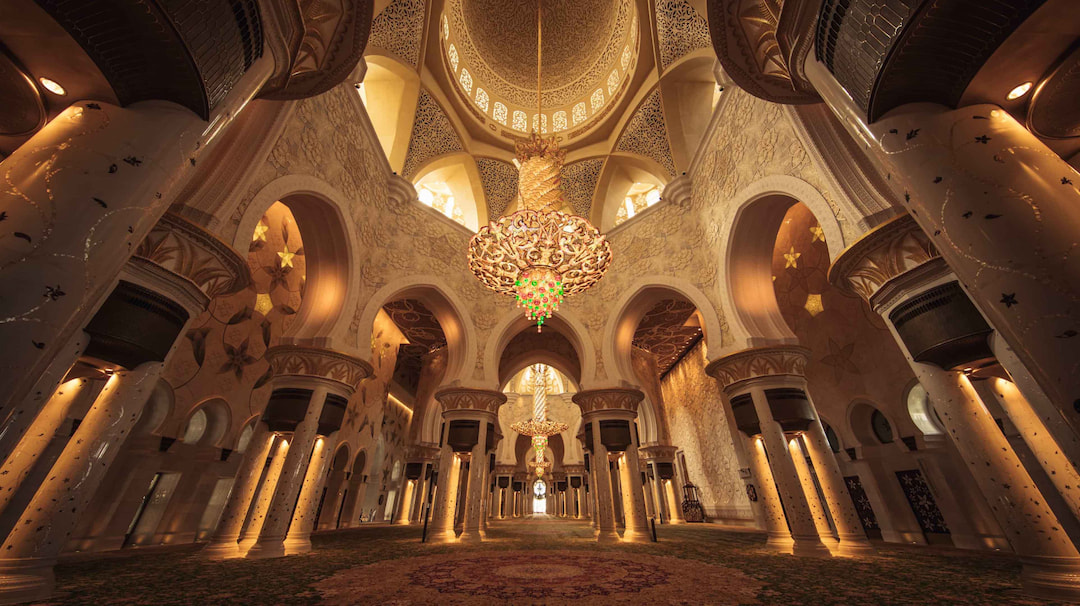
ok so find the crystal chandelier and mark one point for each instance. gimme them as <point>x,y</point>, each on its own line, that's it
<point>539,255</point>
<point>539,427</point>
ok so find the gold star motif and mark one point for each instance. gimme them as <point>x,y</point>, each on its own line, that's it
<point>263,304</point>
<point>818,233</point>
<point>813,305</point>
<point>791,258</point>
<point>260,232</point>
<point>286,256</point>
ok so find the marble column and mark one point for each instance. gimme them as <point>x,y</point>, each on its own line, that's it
<point>324,373</point>
<point>298,538</point>
<point>32,547</point>
<point>817,509</point>
<point>849,528</point>
<point>442,519</point>
<point>776,528</point>
<point>467,406</point>
<point>616,405</point>
<point>637,524</point>
<point>891,266</point>
<point>746,377</point>
<point>1052,458</point>
<point>85,190</point>
<point>1001,207</point>
<point>34,443</point>
<point>664,490</point>
<point>223,543</point>
<point>264,497</point>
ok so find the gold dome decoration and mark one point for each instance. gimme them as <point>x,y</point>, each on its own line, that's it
<point>592,49</point>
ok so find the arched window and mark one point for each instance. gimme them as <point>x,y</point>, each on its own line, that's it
<point>196,427</point>
<point>499,113</point>
<point>881,426</point>
<point>579,113</point>
<point>558,120</point>
<point>922,411</point>
<point>639,197</point>
<point>439,197</point>
<point>613,82</point>
<point>520,121</point>
<point>466,80</point>
<point>451,53</point>
<point>596,101</point>
<point>482,99</point>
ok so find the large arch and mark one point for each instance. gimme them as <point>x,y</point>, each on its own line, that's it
<point>747,249</point>
<point>514,322</point>
<point>449,309</point>
<point>332,286</point>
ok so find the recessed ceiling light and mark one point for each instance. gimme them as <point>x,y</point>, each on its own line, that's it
<point>52,86</point>
<point>1019,91</point>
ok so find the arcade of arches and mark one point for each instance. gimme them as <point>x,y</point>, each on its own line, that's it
<point>834,359</point>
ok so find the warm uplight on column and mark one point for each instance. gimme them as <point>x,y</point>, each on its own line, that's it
<point>1019,91</point>
<point>52,86</point>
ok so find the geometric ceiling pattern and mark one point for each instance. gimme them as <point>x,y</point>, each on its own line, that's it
<point>681,30</point>
<point>646,134</point>
<point>424,333</point>
<point>398,28</point>
<point>432,135</point>
<point>668,331</point>
<point>500,182</point>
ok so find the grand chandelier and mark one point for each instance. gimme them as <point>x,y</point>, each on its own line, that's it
<point>539,255</point>
<point>539,427</point>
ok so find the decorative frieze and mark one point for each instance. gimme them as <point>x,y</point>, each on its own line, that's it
<point>885,252</point>
<point>608,399</point>
<point>758,362</point>
<point>188,250</point>
<point>461,398</point>
<point>291,360</point>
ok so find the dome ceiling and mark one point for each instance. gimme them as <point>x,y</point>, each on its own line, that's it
<point>576,34</point>
<point>590,49</point>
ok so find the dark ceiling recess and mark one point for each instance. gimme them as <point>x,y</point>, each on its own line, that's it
<point>24,111</point>
<point>191,52</point>
<point>890,54</point>
<point>667,332</point>
<point>425,335</point>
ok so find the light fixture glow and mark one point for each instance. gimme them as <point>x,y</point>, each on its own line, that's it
<point>52,86</point>
<point>1019,91</point>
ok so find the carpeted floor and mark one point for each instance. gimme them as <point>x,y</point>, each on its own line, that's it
<point>543,562</point>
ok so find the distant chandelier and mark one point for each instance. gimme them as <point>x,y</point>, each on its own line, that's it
<point>539,254</point>
<point>539,427</point>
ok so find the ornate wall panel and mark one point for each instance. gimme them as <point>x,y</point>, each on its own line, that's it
<point>399,28</point>
<point>500,181</point>
<point>646,134</point>
<point>681,30</point>
<point>579,184</point>
<point>432,135</point>
<point>690,397</point>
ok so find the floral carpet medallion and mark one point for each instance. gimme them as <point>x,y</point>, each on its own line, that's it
<point>539,577</point>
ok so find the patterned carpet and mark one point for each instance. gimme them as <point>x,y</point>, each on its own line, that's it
<point>543,562</point>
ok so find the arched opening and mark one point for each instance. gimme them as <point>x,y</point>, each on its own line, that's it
<point>690,92</point>
<point>389,92</point>
<point>630,186</point>
<point>922,411</point>
<point>870,426</point>
<point>207,424</point>
<point>300,285</point>
<point>451,185</point>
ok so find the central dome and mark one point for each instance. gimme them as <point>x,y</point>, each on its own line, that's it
<point>576,33</point>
